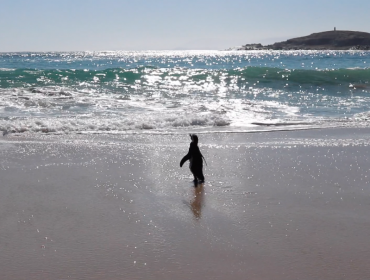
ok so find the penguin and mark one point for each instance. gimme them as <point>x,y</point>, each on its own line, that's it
<point>196,160</point>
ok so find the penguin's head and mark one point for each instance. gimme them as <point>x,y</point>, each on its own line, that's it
<point>194,138</point>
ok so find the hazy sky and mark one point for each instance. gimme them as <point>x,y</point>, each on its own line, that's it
<point>50,25</point>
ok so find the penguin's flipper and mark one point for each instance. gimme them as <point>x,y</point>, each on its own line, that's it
<point>185,158</point>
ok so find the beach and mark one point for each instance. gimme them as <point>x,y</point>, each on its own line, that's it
<point>275,205</point>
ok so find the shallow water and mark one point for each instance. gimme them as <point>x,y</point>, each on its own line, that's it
<point>119,206</point>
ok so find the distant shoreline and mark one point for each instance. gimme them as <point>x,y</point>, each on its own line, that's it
<point>327,40</point>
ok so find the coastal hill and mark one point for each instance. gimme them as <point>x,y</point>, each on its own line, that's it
<point>328,40</point>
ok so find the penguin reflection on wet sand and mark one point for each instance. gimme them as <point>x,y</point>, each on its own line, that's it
<point>196,203</point>
<point>196,160</point>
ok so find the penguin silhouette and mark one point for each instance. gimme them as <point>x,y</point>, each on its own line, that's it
<point>196,160</point>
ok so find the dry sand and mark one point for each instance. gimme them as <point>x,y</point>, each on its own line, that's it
<point>282,205</point>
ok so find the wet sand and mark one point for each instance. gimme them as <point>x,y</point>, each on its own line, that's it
<point>281,205</point>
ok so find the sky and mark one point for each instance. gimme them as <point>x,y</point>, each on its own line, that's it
<point>80,25</point>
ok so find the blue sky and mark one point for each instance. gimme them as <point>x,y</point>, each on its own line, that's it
<point>49,25</point>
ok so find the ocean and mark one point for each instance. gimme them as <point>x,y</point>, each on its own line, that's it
<point>181,91</point>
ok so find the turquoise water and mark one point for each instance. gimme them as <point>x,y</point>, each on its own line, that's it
<point>178,91</point>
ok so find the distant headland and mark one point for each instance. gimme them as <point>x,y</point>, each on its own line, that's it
<point>327,40</point>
